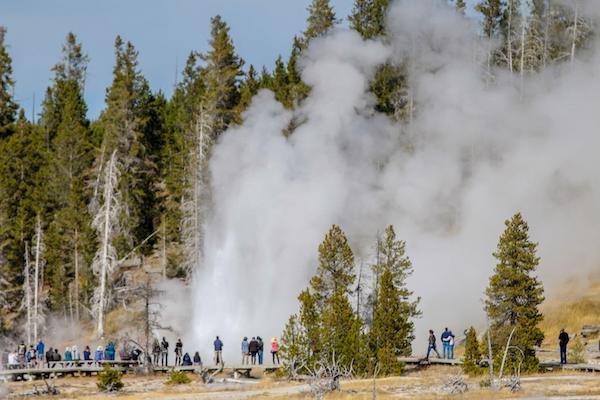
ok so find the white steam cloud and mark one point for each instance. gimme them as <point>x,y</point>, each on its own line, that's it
<point>473,155</point>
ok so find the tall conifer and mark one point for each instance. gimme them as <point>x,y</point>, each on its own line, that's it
<point>513,296</point>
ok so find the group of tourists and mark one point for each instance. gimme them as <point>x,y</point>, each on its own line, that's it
<point>253,350</point>
<point>447,344</point>
<point>160,350</point>
<point>37,356</point>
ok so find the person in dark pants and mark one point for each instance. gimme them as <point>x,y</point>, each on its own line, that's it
<point>261,349</point>
<point>563,340</point>
<point>253,348</point>
<point>164,350</point>
<point>178,352</point>
<point>431,345</point>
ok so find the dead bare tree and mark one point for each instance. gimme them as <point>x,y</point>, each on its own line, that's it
<point>27,295</point>
<point>196,196</point>
<point>324,376</point>
<point>150,317</point>
<point>106,223</point>
<point>39,263</point>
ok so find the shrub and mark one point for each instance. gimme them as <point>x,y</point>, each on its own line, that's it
<point>109,380</point>
<point>577,353</point>
<point>472,358</point>
<point>178,378</point>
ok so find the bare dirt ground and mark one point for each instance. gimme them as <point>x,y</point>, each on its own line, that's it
<point>423,384</point>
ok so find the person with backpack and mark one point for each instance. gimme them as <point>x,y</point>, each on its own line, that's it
<point>253,348</point>
<point>164,349</point>
<point>178,352</point>
<point>275,350</point>
<point>261,348</point>
<point>218,346</point>
<point>431,345</point>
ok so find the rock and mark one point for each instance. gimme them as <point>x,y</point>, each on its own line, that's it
<point>590,330</point>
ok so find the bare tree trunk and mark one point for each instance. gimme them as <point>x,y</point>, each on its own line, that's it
<point>547,14</point>
<point>27,289</point>
<point>509,36</point>
<point>105,240</point>
<point>575,33</point>
<point>38,245</point>
<point>490,356</point>
<point>71,304</point>
<point>76,275</point>
<point>506,352</point>
<point>164,251</point>
<point>522,61</point>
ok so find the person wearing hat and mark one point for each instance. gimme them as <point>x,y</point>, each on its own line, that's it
<point>275,350</point>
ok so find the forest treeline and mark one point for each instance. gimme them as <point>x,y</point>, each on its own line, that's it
<point>77,196</point>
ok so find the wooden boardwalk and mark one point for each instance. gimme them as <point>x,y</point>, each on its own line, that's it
<point>128,367</point>
<point>62,369</point>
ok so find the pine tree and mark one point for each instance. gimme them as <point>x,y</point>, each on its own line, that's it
<point>248,88</point>
<point>461,6</point>
<point>321,19</point>
<point>24,174</point>
<point>336,266</point>
<point>392,329</point>
<point>368,17</point>
<point>341,330</point>
<point>66,126</point>
<point>8,108</point>
<point>513,296</point>
<point>472,354</point>
<point>327,325</point>
<point>222,74</point>
<point>125,127</point>
<point>492,12</point>
<point>69,77</point>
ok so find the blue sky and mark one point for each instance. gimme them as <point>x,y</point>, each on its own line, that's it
<point>164,32</point>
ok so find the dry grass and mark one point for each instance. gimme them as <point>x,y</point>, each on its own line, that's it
<point>573,307</point>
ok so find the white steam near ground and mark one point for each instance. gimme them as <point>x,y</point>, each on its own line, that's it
<point>474,154</point>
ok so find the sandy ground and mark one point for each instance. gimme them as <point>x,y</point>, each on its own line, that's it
<point>424,384</point>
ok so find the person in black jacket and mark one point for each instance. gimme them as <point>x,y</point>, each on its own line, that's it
<point>563,340</point>
<point>253,349</point>
<point>197,359</point>
<point>164,349</point>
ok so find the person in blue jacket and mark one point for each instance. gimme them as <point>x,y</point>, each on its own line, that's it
<point>218,345</point>
<point>40,351</point>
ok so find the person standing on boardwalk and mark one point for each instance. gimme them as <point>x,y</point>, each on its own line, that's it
<point>275,350</point>
<point>39,352</point>
<point>253,348</point>
<point>164,350</point>
<point>178,352</point>
<point>261,348</point>
<point>245,350</point>
<point>431,345</point>
<point>563,340</point>
<point>155,351</point>
<point>218,345</point>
